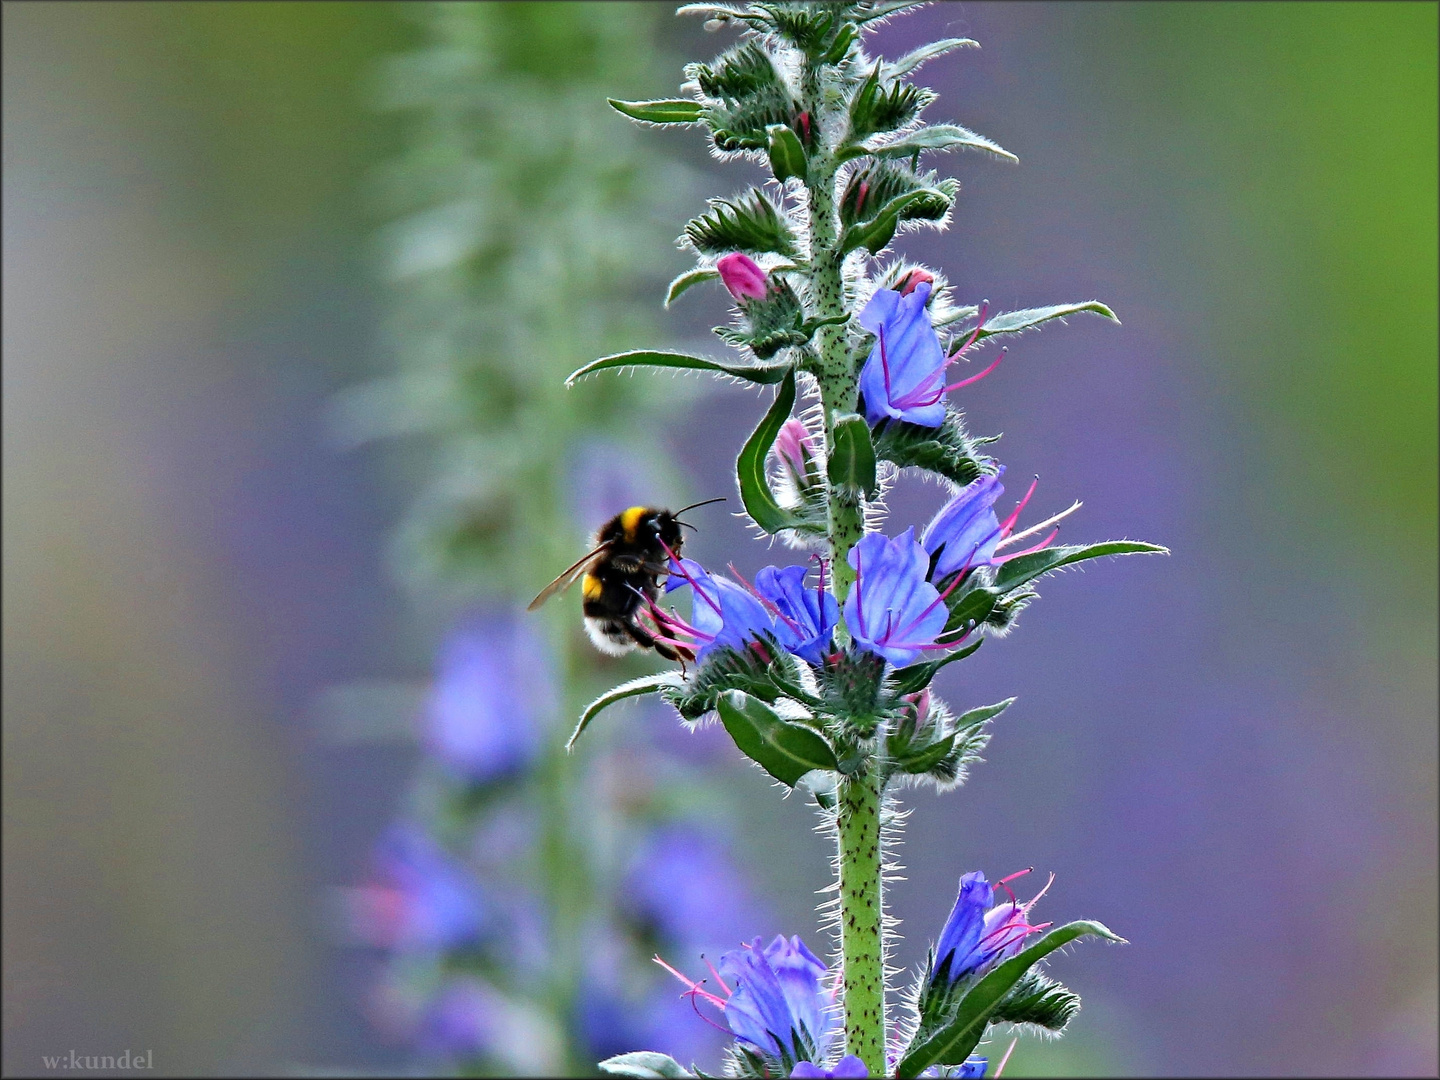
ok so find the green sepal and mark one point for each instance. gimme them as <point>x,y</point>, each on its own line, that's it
<point>688,280</point>
<point>646,684</point>
<point>852,456</point>
<point>749,222</point>
<point>912,60</point>
<point>644,1065</point>
<point>923,760</point>
<point>785,750</point>
<point>761,374</point>
<point>948,450</point>
<point>677,111</point>
<point>1017,572</point>
<point>884,11</point>
<point>874,234</point>
<point>760,502</point>
<point>787,156</point>
<point>939,137</point>
<point>913,679</point>
<point>952,1044</point>
<point>1039,1000</point>
<point>844,38</point>
<point>978,716</point>
<point>969,606</point>
<point>1015,322</point>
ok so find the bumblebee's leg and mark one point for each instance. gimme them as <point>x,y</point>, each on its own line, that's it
<point>644,639</point>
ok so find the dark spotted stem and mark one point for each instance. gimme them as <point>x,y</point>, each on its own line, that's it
<point>857,810</point>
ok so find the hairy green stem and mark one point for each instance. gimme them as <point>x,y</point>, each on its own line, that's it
<point>861,928</point>
<point>858,806</point>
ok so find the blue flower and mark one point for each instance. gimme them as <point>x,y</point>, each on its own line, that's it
<point>723,616</point>
<point>850,1067</point>
<point>892,610</point>
<point>805,618</point>
<point>428,900</point>
<point>966,533</point>
<point>904,377</point>
<point>778,1004</point>
<point>972,1068</point>
<point>978,936</point>
<point>685,884</point>
<point>493,691</point>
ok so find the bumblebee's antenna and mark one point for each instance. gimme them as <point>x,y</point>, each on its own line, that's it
<point>692,506</point>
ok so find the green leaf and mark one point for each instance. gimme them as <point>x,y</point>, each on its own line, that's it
<point>940,137</point>
<point>841,45</point>
<point>1014,322</point>
<point>787,156</point>
<point>912,60</point>
<point>688,280</point>
<point>644,1065</point>
<point>986,712</point>
<point>1039,1000</point>
<point>913,679</point>
<point>785,750</point>
<point>953,1043</point>
<point>749,222</point>
<point>661,112</point>
<point>972,605</point>
<point>760,502</point>
<point>646,684</point>
<point>882,11</point>
<point>1017,572</point>
<point>762,374</point>
<point>852,457</point>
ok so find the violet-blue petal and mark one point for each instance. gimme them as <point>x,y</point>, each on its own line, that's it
<point>808,617</point>
<point>892,610</point>
<point>960,939</point>
<point>966,530</point>
<point>441,906</point>
<point>777,990</point>
<point>685,884</point>
<point>912,354</point>
<point>725,614</point>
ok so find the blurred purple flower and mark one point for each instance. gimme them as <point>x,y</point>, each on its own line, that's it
<point>805,618</point>
<point>892,610</point>
<point>424,899</point>
<point>494,690</point>
<point>776,991</point>
<point>977,936</point>
<point>686,885</point>
<point>972,1068</point>
<point>850,1067</point>
<point>904,377</point>
<point>741,275</point>
<point>966,533</point>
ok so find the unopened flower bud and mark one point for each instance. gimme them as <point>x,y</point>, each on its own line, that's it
<point>794,447</point>
<point>744,279</point>
<point>906,284</point>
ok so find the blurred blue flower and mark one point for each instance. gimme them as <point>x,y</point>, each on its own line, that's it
<point>977,936</point>
<point>904,377</point>
<point>850,1067</point>
<point>892,610</point>
<point>966,533</point>
<point>685,884</point>
<point>805,618</point>
<point>778,990</point>
<point>428,900</point>
<point>494,690</point>
<point>972,1068</point>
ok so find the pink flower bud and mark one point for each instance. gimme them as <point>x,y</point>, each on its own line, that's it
<point>907,284</point>
<point>742,277</point>
<point>794,447</point>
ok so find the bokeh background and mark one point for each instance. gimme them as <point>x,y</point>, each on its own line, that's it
<point>1228,755</point>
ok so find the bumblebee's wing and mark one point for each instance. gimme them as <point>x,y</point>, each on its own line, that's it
<point>568,577</point>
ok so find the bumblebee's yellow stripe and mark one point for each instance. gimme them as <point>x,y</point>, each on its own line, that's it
<point>630,521</point>
<point>591,587</point>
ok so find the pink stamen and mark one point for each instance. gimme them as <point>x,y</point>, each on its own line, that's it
<point>694,987</point>
<point>1015,514</point>
<point>686,575</point>
<point>769,605</point>
<point>977,378</point>
<point>1001,1067</point>
<point>1035,899</point>
<point>885,363</point>
<point>1004,882</point>
<point>859,596</point>
<point>1028,551</point>
<point>938,600</point>
<point>974,334</point>
<point>718,979</point>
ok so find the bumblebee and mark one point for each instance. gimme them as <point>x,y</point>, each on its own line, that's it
<point>621,576</point>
